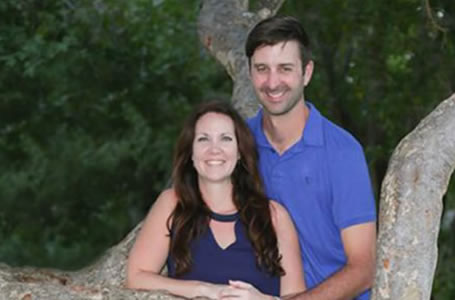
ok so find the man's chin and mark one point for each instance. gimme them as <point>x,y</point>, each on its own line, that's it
<point>275,111</point>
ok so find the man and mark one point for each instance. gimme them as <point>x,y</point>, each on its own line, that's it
<point>313,167</point>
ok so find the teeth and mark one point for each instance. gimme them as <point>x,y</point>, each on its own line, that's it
<point>275,94</point>
<point>215,162</point>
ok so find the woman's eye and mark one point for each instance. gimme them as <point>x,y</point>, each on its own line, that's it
<point>227,138</point>
<point>202,139</point>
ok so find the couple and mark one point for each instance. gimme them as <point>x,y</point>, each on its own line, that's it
<point>216,229</point>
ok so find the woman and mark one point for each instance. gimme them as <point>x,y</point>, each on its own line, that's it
<point>216,230</point>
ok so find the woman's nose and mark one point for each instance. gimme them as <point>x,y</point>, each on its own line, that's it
<point>214,148</point>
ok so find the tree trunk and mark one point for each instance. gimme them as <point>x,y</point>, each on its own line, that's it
<point>410,205</point>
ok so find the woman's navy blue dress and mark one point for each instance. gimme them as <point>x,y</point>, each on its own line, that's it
<point>211,263</point>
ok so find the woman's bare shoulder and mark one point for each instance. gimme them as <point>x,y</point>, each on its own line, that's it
<point>168,195</point>
<point>166,201</point>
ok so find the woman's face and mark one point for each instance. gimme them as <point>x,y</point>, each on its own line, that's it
<point>215,149</point>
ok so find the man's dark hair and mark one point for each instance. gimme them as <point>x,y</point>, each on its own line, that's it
<point>275,30</point>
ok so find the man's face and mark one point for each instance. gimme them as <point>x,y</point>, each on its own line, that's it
<point>278,77</point>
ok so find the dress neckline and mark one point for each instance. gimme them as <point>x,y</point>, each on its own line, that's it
<point>224,218</point>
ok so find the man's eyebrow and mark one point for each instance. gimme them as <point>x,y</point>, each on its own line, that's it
<point>280,64</point>
<point>287,64</point>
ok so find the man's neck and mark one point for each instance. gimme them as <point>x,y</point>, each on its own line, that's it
<point>284,131</point>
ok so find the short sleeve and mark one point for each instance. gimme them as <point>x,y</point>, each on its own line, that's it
<point>353,200</point>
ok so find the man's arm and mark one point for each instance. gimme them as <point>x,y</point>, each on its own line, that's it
<point>357,275</point>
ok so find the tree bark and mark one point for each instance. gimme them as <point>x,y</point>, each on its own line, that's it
<point>411,206</point>
<point>102,280</point>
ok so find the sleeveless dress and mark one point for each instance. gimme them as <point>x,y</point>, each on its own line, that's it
<point>211,263</point>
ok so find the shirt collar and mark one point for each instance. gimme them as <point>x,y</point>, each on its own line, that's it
<point>312,133</point>
<point>256,126</point>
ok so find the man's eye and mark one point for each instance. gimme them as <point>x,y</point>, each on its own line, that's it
<point>261,69</point>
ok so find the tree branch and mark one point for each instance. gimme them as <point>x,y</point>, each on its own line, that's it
<point>411,207</point>
<point>267,8</point>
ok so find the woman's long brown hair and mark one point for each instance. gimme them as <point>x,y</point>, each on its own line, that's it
<point>191,215</point>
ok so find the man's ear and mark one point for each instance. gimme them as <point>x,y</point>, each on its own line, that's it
<point>308,72</point>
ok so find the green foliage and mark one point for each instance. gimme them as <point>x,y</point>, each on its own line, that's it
<point>92,95</point>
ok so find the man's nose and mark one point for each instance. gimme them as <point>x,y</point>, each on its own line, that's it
<point>273,80</point>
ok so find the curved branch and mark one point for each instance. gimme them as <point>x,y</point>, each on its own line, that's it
<point>411,207</point>
<point>103,280</point>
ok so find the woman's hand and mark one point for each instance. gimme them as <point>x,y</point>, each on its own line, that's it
<point>211,290</point>
<point>242,291</point>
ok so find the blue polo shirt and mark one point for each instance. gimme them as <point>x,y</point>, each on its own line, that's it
<point>323,182</point>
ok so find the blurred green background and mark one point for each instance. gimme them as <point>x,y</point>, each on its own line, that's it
<point>93,93</point>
